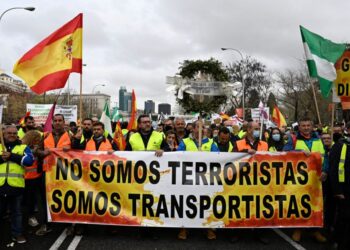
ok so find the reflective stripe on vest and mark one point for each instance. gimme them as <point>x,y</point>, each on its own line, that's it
<point>272,149</point>
<point>241,133</point>
<point>243,145</point>
<point>230,147</point>
<point>154,142</point>
<point>12,172</point>
<point>64,141</point>
<point>191,145</point>
<point>32,171</point>
<point>317,146</point>
<point>341,170</point>
<point>21,133</point>
<point>104,146</point>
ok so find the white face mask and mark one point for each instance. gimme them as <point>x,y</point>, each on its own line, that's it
<point>276,137</point>
<point>256,134</point>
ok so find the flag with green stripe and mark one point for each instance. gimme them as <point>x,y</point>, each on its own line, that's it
<point>321,55</point>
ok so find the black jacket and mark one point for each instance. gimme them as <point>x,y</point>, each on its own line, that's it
<point>334,158</point>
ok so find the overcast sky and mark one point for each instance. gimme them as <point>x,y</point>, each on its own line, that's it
<point>138,43</point>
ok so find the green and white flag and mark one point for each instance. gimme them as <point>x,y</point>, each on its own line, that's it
<point>116,116</point>
<point>321,55</point>
<point>106,119</point>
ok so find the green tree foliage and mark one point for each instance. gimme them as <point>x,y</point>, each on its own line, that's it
<point>189,69</point>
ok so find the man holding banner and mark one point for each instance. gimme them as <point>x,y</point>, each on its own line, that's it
<point>192,144</point>
<point>308,142</point>
<point>98,142</point>
<point>146,139</point>
<point>58,138</point>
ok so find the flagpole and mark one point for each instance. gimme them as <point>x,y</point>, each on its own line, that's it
<point>332,119</point>
<point>315,100</point>
<point>261,118</point>
<point>81,96</point>
<point>200,131</point>
<point>2,139</point>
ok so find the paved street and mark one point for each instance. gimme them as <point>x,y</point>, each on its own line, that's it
<point>106,237</point>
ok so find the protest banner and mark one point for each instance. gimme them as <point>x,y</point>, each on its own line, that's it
<point>41,111</point>
<point>185,189</point>
<point>342,83</point>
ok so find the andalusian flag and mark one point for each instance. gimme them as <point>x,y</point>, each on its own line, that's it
<point>47,66</point>
<point>133,119</point>
<point>106,119</point>
<point>321,55</point>
<point>116,116</point>
<point>278,118</point>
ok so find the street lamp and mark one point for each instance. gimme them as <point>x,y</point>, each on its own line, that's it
<point>242,74</point>
<point>93,92</point>
<point>93,89</point>
<point>17,8</point>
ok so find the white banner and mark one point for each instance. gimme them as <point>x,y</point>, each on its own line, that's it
<point>256,114</point>
<point>41,111</point>
<point>1,109</point>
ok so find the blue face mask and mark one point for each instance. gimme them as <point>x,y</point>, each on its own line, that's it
<point>276,137</point>
<point>256,134</point>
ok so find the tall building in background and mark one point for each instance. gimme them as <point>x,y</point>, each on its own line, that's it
<point>122,105</point>
<point>149,107</point>
<point>127,101</point>
<point>164,108</point>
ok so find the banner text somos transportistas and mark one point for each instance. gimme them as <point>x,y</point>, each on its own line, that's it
<point>184,189</point>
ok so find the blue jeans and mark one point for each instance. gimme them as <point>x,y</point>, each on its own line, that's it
<point>14,203</point>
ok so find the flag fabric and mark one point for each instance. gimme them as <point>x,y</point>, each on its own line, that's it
<point>106,119</point>
<point>21,121</point>
<point>278,118</point>
<point>118,137</point>
<point>321,55</point>
<point>116,116</point>
<point>263,113</point>
<point>47,65</point>
<point>133,119</point>
<point>48,123</point>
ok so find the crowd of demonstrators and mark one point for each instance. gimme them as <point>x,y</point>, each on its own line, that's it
<point>25,151</point>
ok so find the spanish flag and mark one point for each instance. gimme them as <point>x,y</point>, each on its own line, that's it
<point>278,118</point>
<point>118,137</point>
<point>47,66</point>
<point>133,119</point>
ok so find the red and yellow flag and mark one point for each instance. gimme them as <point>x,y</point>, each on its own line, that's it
<point>119,138</point>
<point>133,119</point>
<point>21,121</point>
<point>278,118</point>
<point>47,66</point>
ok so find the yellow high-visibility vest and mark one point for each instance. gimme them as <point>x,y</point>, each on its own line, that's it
<point>12,172</point>
<point>154,143</point>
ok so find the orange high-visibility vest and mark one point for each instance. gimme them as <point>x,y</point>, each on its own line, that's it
<point>243,145</point>
<point>64,141</point>
<point>104,146</point>
<point>32,171</point>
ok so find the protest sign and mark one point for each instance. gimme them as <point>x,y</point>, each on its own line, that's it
<point>185,189</point>
<point>41,111</point>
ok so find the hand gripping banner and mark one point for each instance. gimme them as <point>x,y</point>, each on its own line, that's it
<point>185,189</point>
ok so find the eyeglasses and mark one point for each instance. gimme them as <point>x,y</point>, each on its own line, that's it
<point>11,133</point>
